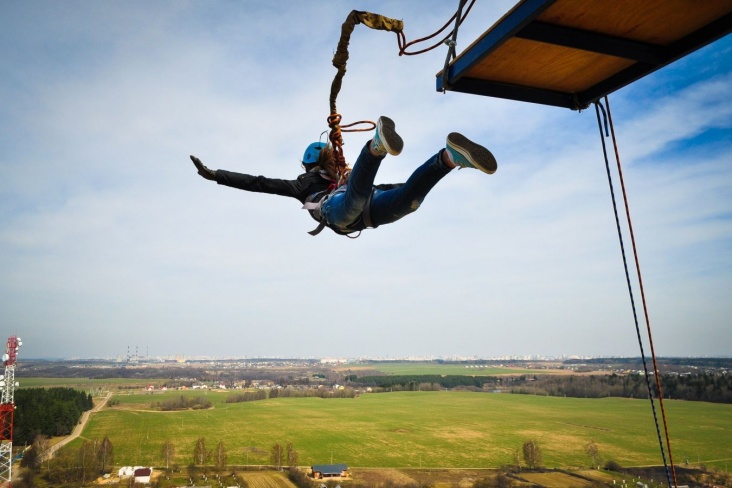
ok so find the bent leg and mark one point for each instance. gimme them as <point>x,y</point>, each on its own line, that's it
<point>343,209</point>
<point>388,206</point>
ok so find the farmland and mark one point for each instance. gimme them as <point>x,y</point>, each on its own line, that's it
<point>86,383</point>
<point>416,429</point>
<point>266,480</point>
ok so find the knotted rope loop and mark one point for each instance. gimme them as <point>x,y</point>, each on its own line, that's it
<point>336,140</point>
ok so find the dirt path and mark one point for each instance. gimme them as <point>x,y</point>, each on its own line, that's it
<point>79,427</point>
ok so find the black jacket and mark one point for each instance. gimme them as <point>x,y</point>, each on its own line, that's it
<point>305,185</point>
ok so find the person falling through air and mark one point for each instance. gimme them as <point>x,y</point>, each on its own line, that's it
<point>357,203</point>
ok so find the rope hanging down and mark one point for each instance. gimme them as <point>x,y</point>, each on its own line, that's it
<point>374,21</point>
<point>606,116</point>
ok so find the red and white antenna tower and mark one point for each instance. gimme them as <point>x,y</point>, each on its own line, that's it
<point>7,407</point>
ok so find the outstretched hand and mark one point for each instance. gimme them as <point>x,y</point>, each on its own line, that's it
<point>203,170</point>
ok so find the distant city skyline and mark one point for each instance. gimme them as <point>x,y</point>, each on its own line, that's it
<point>171,357</point>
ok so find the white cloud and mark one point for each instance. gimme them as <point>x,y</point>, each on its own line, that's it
<point>107,234</point>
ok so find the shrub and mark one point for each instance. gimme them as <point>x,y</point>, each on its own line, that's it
<point>299,478</point>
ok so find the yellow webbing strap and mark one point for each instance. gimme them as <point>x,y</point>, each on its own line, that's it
<point>374,21</point>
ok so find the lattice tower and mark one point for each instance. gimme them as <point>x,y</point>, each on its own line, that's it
<point>7,407</point>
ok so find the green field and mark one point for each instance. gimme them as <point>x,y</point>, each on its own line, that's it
<point>143,399</point>
<point>417,368</point>
<point>86,383</point>
<point>413,429</point>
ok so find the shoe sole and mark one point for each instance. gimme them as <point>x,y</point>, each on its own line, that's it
<point>391,140</point>
<point>480,157</point>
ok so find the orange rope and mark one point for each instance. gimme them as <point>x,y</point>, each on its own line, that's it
<point>642,291</point>
<point>336,140</point>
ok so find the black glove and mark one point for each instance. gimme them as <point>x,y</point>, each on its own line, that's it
<point>202,170</point>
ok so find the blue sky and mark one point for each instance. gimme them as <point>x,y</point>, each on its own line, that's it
<point>109,239</point>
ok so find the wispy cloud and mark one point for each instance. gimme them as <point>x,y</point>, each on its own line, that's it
<point>107,233</point>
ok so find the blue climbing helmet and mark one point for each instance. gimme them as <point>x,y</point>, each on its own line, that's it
<point>312,153</point>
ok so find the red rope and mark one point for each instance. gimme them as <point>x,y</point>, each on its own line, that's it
<point>403,45</point>
<point>642,291</point>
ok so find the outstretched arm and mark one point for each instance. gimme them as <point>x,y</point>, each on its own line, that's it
<point>300,188</point>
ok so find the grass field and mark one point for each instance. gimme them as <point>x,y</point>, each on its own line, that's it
<point>139,399</point>
<point>420,429</point>
<point>86,383</point>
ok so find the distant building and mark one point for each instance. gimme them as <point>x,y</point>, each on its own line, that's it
<point>142,475</point>
<point>329,471</point>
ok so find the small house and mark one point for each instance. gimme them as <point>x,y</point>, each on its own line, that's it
<point>142,475</point>
<point>329,471</point>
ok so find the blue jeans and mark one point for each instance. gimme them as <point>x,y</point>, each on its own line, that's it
<point>343,211</point>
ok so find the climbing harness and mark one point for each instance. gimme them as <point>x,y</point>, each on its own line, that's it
<point>314,204</point>
<point>608,117</point>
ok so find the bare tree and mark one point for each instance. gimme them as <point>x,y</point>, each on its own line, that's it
<point>517,459</point>
<point>105,454</point>
<point>292,455</point>
<point>41,445</point>
<point>200,454</point>
<point>220,455</point>
<point>87,461</point>
<point>276,455</point>
<point>168,453</point>
<point>593,452</point>
<point>532,454</point>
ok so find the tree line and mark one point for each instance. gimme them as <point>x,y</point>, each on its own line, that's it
<point>312,392</point>
<point>412,382</point>
<point>707,387</point>
<point>663,362</point>
<point>252,396</point>
<point>183,403</point>
<point>49,412</point>
<point>716,388</point>
<point>246,396</point>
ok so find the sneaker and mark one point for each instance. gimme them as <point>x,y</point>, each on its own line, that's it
<point>386,140</point>
<point>467,154</point>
